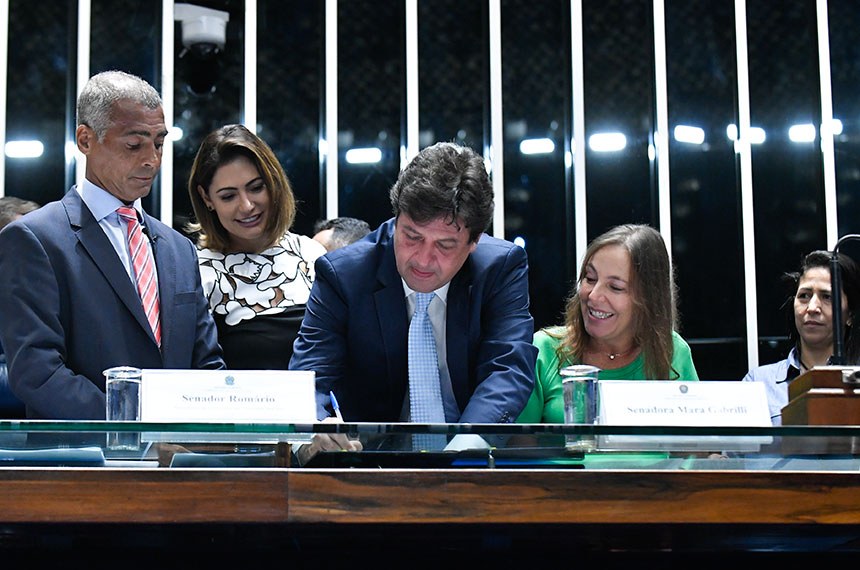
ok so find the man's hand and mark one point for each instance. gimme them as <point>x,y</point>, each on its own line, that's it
<point>326,442</point>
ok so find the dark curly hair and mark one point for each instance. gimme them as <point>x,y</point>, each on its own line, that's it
<point>446,181</point>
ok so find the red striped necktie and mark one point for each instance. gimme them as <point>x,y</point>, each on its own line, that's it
<point>144,269</point>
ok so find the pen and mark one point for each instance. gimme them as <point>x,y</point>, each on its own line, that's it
<point>336,407</point>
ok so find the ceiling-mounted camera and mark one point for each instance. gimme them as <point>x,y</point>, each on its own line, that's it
<point>204,30</point>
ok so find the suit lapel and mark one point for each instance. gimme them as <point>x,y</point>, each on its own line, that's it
<point>390,304</point>
<point>93,239</point>
<point>457,333</point>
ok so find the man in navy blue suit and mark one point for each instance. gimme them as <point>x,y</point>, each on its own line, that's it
<point>70,304</point>
<point>354,334</point>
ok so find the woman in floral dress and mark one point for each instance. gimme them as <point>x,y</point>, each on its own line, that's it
<point>256,274</point>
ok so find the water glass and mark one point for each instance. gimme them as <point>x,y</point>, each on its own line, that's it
<point>581,404</point>
<point>122,389</point>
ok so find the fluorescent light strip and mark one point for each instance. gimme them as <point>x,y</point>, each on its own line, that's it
<point>165,179</point>
<point>835,127</point>
<point>802,133</point>
<point>537,146</point>
<point>410,149</point>
<point>84,26</point>
<point>370,155</point>
<point>577,145</point>
<point>607,142</point>
<point>661,137</point>
<point>250,86</point>
<point>690,135</point>
<point>330,141</point>
<point>756,135</point>
<point>71,152</point>
<point>496,157</point>
<point>742,147</point>
<point>828,155</point>
<point>24,149</point>
<point>4,67</point>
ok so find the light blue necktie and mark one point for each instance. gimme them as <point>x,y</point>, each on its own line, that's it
<point>425,393</point>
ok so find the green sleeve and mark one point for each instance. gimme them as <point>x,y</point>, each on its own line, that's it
<point>546,404</point>
<point>682,359</point>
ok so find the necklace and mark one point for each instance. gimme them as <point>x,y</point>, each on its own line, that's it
<point>614,355</point>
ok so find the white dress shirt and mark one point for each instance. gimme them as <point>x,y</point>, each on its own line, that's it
<point>103,205</point>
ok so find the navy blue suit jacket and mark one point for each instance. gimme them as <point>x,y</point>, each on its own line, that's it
<point>70,311</point>
<point>354,334</point>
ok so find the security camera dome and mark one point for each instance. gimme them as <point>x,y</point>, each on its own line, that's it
<point>205,50</point>
<point>204,34</point>
<point>204,30</point>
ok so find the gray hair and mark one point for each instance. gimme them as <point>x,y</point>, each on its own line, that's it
<point>103,90</point>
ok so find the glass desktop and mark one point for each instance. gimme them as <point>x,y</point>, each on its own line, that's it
<point>490,446</point>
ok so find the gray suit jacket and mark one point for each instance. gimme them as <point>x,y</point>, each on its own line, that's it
<point>68,309</point>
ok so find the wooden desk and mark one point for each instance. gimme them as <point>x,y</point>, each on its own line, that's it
<point>364,509</point>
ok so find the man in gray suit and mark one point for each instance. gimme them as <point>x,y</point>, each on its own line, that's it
<point>70,303</point>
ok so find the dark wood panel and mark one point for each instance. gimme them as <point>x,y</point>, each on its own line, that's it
<point>822,397</point>
<point>464,496</point>
<point>143,495</point>
<point>545,496</point>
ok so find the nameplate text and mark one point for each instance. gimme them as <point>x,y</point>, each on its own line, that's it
<point>675,403</point>
<point>228,396</point>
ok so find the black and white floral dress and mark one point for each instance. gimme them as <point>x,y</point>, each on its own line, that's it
<point>258,300</point>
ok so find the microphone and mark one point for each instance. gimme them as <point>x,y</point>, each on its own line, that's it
<point>838,357</point>
<point>145,229</point>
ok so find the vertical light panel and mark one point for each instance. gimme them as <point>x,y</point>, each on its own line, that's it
<point>826,128</point>
<point>496,158</point>
<point>410,149</point>
<point>328,146</point>
<point>167,85</point>
<point>249,100</point>
<point>744,150</point>
<point>578,145</point>
<point>661,135</point>
<point>4,67</point>
<point>84,25</point>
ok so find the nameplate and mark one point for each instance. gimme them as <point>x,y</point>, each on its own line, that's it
<point>675,403</point>
<point>227,396</point>
<point>685,404</point>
